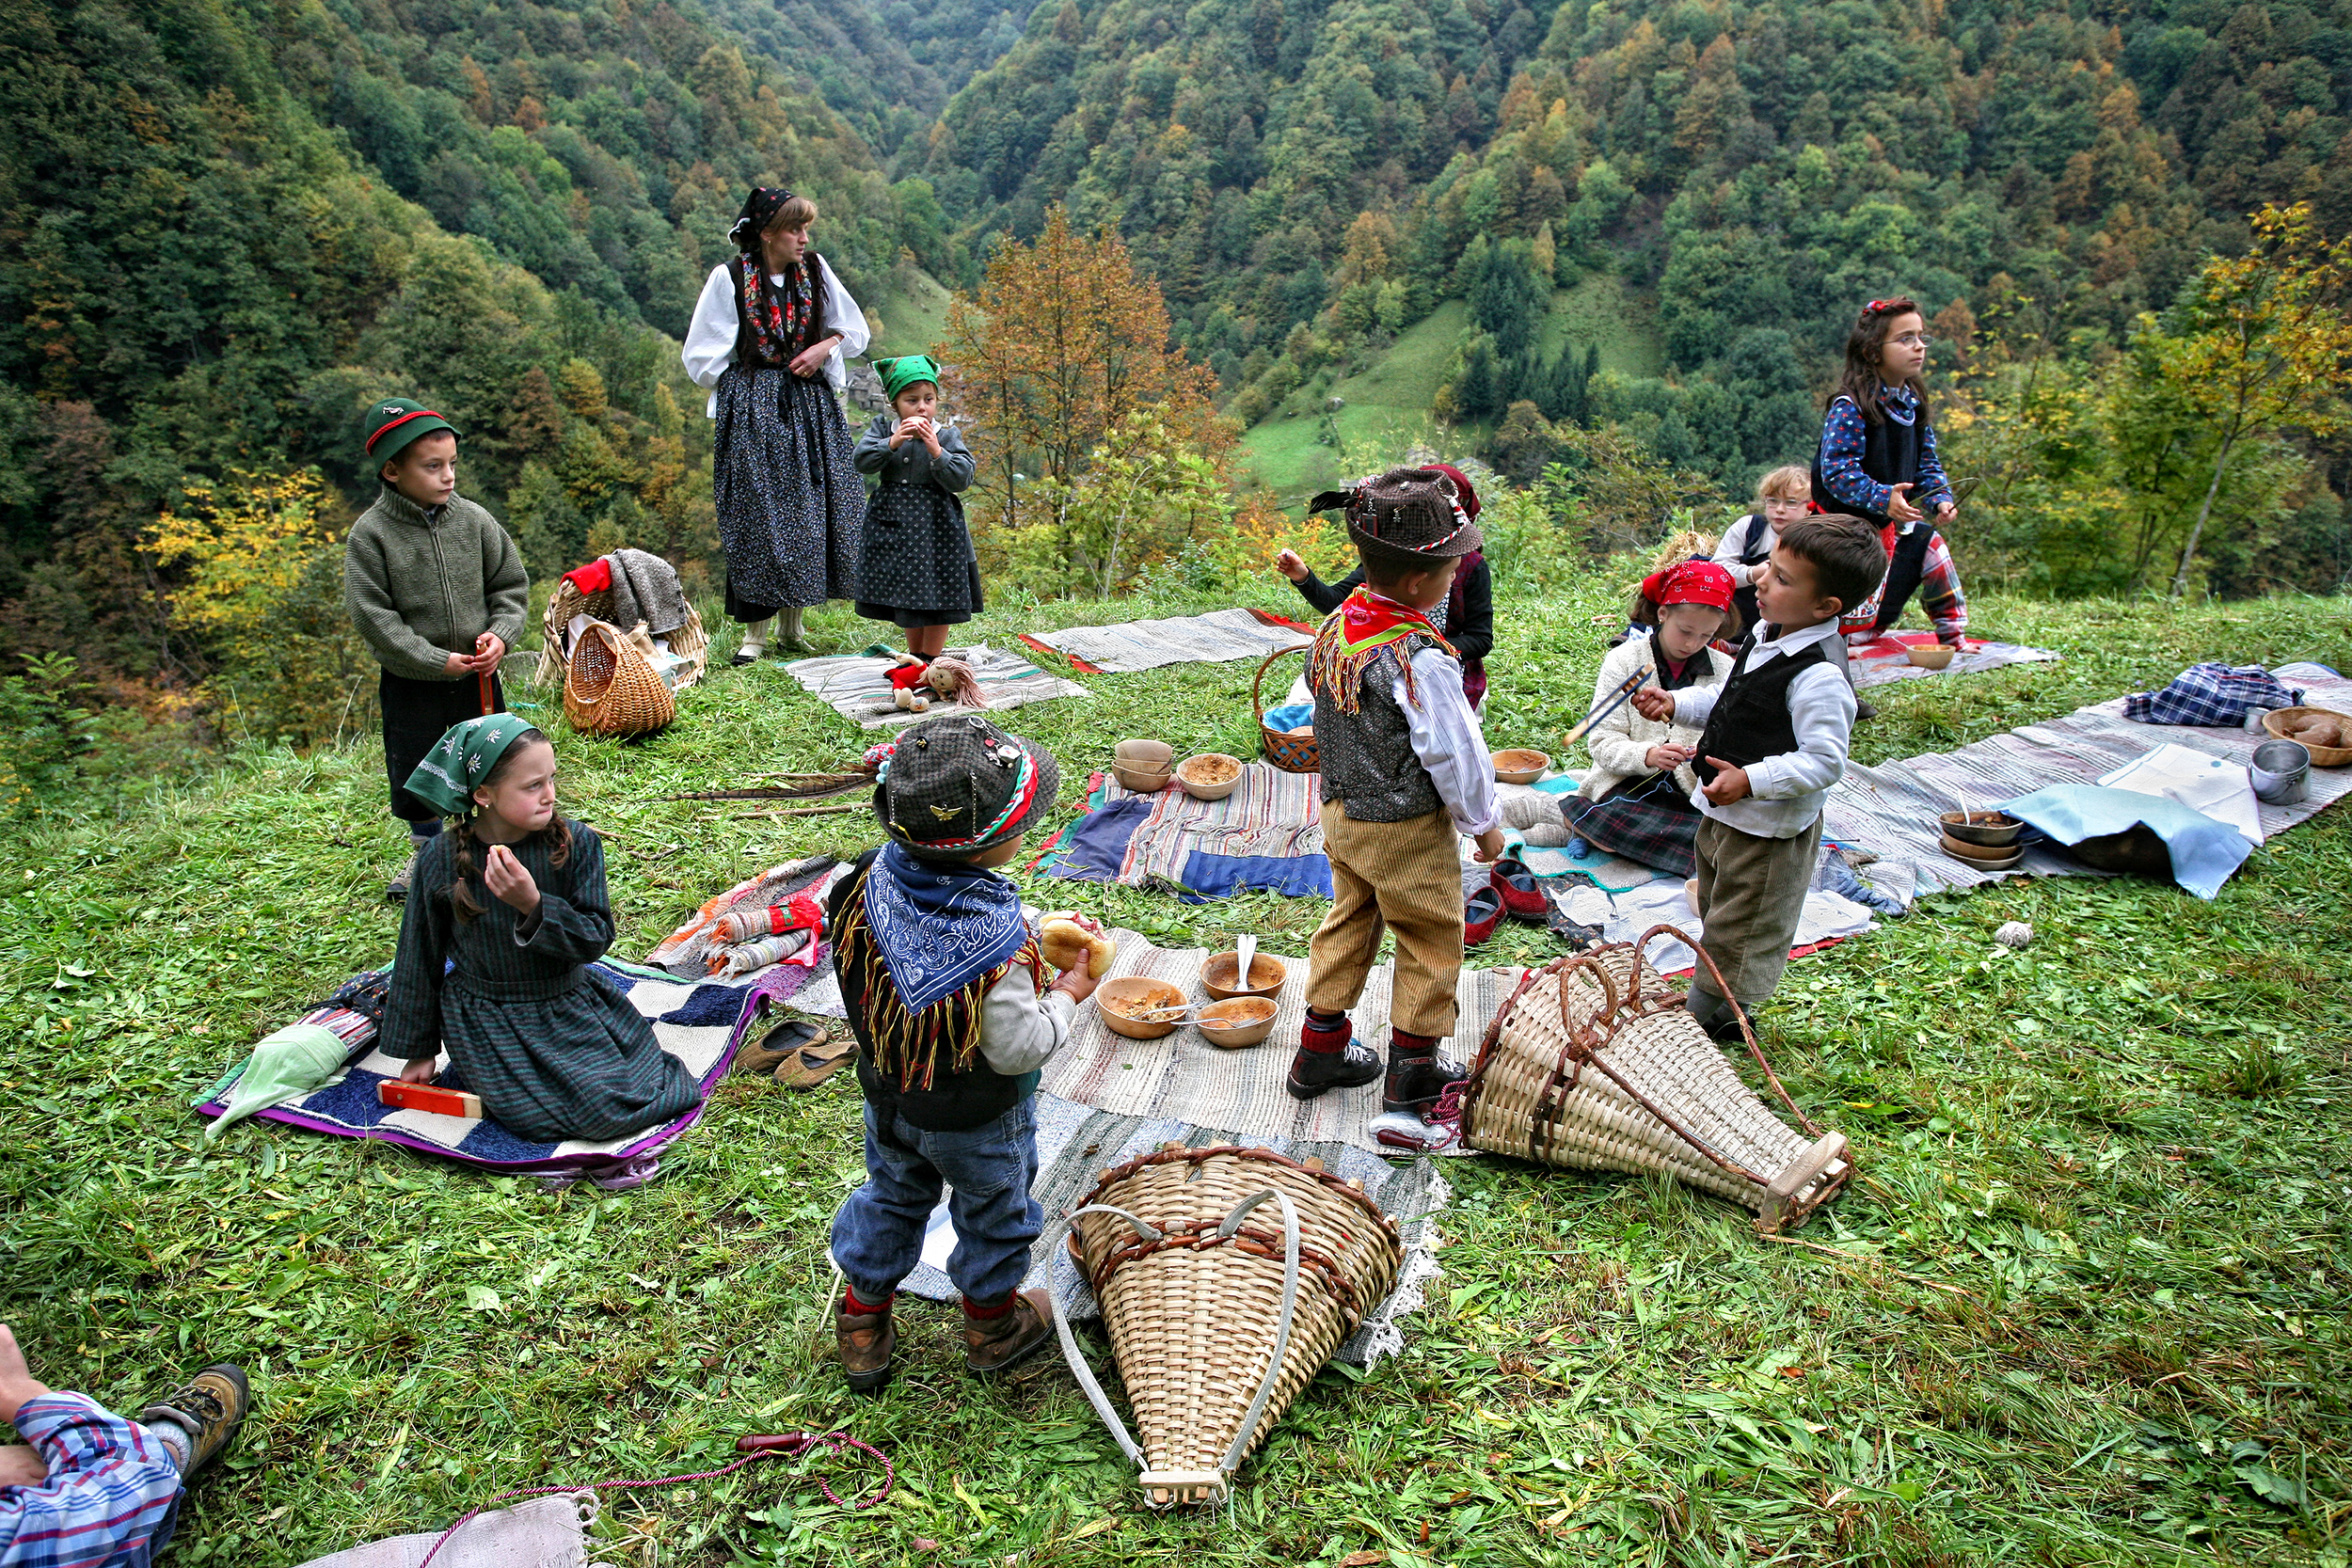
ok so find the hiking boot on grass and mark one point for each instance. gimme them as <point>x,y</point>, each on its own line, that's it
<point>396,891</point>
<point>866,1341</point>
<point>995,1338</point>
<point>208,1407</point>
<point>1417,1076</point>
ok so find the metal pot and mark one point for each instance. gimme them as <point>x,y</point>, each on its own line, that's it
<point>2282,772</point>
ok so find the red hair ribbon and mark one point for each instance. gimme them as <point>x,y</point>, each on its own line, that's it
<point>1699,582</point>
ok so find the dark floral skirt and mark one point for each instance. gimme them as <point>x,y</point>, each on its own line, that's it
<point>789,501</point>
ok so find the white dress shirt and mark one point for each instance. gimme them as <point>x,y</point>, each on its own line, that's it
<point>1447,738</point>
<point>1785,793</point>
<point>710,336</point>
<point>1019,1030</point>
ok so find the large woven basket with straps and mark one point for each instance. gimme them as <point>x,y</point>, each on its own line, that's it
<point>1227,1276</point>
<point>610,689</point>
<point>687,642</point>
<point>1595,1064</point>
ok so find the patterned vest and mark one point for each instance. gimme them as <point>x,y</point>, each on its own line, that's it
<point>1369,765</point>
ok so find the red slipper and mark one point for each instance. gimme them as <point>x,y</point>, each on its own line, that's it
<point>1515,886</point>
<point>1479,914</point>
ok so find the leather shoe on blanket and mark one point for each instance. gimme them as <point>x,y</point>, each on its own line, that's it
<point>1515,886</point>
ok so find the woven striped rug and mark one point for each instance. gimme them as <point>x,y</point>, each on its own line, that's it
<point>1891,808</point>
<point>858,688</point>
<point>1182,1076</point>
<point>1273,813</point>
<point>1217,638</point>
<point>1883,660</point>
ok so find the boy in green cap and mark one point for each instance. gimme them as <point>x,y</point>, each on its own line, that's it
<point>438,593</point>
<point>915,567</point>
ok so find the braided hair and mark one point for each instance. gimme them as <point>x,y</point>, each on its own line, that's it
<point>461,895</point>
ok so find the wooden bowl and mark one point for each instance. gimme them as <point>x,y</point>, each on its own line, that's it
<point>1205,791</point>
<point>1985,830</point>
<point>1980,856</point>
<point>1521,765</point>
<point>1138,992</point>
<point>2276,722</point>
<point>1143,783</point>
<point>1145,757</point>
<point>1220,976</point>
<point>1935,657</point>
<point>1243,1020</point>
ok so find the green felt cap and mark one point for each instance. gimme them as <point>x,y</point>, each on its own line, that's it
<point>389,426</point>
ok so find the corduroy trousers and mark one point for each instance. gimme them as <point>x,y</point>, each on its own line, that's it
<point>1402,876</point>
<point>1751,894</point>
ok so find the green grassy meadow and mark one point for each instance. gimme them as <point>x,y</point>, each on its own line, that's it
<point>2085,1302</point>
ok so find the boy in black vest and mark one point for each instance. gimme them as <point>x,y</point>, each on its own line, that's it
<point>1406,771</point>
<point>1775,740</point>
<point>954,1016</point>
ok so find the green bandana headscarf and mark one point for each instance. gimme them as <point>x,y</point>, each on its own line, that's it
<point>904,371</point>
<point>462,758</point>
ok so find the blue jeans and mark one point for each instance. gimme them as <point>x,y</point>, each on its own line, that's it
<point>878,1236</point>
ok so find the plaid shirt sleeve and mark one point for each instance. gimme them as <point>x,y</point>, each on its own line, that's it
<point>1939,591</point>
<point>110,1488</point>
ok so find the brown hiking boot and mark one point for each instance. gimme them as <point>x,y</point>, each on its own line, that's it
<point>210,1406</point>
<point>867,1341</point>
<point>993,1344</point>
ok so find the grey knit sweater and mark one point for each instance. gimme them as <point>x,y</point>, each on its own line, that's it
<point>422,585</point>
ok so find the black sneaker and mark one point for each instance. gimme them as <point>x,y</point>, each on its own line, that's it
<point>1863,710</point>
<point>1314,1071</point>
<point>1415,1083</point>
<point>211,1407</point>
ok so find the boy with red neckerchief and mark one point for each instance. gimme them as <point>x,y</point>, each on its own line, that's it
<point>1405,771</point>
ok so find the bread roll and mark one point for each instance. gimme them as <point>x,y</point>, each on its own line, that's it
<point>1067,945</point>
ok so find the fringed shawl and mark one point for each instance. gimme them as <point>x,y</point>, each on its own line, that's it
<point>1353,636</point>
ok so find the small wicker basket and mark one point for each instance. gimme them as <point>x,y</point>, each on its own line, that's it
<point>687,642</point>
<point>1292,754</point>
<point>1217,1321</point>
<point>2276,723</point>
<point>610,689</point>
<point>1595,1064</point>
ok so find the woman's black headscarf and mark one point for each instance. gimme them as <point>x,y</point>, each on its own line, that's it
<point>760,209</point>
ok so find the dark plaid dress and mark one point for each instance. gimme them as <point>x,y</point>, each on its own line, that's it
<point>554,1049</point>
<point>1648,820</point>
<point>788,499</point>
<point>917,567</point>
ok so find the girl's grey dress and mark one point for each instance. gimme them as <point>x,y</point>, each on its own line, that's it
<point>915,567</point>
<point>553,1048</point>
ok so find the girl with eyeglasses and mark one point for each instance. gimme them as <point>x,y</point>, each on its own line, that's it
<point>1877,460</point>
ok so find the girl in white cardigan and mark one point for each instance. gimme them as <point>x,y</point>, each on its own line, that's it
<point>1635,802</point>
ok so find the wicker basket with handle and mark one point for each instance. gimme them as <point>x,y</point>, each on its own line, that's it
<point>689,642</point>
<point>1292,753</point>
<point>1595,1064</point>
<point>610,689</point>
<point>1227,1276</point>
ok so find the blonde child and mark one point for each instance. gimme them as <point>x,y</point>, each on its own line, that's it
<point>1781,497</point>
<point>916,569</point>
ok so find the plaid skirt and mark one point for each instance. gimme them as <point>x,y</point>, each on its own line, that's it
<point>789,501</point>
<point>1651,822</point>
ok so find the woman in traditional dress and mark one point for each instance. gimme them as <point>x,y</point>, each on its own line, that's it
<point>768,338</point>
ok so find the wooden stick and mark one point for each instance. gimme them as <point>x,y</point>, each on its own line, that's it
<point>1608,705</point>
<point>803,811</point>
<point>775,792</point>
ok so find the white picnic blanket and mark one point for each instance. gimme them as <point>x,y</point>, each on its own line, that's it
<point>1216,637</point>
<point>857,687</point>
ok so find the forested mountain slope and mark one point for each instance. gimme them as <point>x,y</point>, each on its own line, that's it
<point>1340,165</point>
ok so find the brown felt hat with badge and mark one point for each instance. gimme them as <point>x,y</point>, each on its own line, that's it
<point>1415,512</point>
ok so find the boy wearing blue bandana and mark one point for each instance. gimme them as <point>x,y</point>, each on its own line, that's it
<point>947,994</point>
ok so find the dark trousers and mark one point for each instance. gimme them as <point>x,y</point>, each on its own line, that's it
<point>416,715</point>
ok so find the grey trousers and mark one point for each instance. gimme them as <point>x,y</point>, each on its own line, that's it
<point>1751,893</point>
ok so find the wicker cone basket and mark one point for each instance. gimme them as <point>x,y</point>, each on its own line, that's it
<point>1595,1064</point>
<point>689,642</point>
<point>1219,1316</point>
<point>611,689</point>
<point>1292,754</point>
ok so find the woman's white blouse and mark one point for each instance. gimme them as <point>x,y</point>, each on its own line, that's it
<point>710,336</point>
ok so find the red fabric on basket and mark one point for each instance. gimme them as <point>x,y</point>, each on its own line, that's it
<point>595,578</point>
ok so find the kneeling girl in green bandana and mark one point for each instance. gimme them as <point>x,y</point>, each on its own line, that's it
<point>916,569</point>
<point>507,911</point>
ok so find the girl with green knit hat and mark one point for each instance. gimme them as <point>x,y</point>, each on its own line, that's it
<point>915,567</point>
